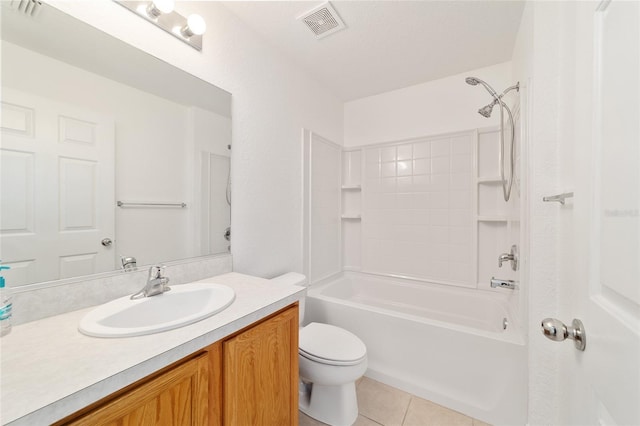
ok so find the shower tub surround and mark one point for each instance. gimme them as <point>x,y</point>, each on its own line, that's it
<point>443,343</point>
<point>429,208</point>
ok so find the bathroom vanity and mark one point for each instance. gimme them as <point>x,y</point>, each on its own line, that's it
<point>239,366</point>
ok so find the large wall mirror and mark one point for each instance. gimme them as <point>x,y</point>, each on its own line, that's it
<point>107,153</point>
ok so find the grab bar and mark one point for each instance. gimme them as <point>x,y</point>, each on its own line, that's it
<point>127,204</point>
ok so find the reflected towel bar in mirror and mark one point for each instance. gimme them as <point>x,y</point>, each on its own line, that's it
<point>127,204</point>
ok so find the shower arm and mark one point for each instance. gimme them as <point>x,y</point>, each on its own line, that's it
<point>515,87</point>
<point>497,99</point>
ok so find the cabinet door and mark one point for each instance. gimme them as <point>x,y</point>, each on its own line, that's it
<point>260,377</point>
<point>177,397</point>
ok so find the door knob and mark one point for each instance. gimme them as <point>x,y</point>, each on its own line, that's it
<point>557,331</point>
<point>106,242</point>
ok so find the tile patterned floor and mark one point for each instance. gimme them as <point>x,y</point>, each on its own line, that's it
<point>382,405</point>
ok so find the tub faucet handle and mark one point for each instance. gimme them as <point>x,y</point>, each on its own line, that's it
<point>510,257</point>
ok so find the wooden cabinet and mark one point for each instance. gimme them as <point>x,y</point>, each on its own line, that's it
<point>179,396</point>
<point>260,373</point>
<point>248,378</point>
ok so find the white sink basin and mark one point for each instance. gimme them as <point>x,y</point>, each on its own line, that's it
<point>182,305</point>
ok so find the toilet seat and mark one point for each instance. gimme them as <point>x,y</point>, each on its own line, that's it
<point>328,344</point>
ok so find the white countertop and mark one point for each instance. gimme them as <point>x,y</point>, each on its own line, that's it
<point>50,370</point>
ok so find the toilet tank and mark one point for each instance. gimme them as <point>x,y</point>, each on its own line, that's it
<point>293,278</point>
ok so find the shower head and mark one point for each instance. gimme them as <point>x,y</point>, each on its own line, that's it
<point>485,111</point>
<point>474,81</point>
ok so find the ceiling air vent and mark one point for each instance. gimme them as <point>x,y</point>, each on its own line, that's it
<point>323,20</point>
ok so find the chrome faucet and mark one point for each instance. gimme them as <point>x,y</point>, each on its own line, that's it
<point>498,283</point>
<point>504,257</point>
<point>129,263</point>
<point>156,283</point>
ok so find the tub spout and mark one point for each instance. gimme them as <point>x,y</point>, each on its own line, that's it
<point>497,283</point>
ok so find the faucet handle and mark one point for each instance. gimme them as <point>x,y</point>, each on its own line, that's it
<point>512,257</point>
<point>156,271</point>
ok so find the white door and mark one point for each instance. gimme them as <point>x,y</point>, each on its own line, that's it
<point>613,308</point>
<point>57,194</point>
<point>602,384</point>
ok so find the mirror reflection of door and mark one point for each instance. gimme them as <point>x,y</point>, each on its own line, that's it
<point>57,189</point>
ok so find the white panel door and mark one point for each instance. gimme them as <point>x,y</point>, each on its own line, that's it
<point>57,195</point>
<point>612,360</point>
<point>603,382</point>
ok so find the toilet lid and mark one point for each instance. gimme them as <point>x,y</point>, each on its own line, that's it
<point>330,344</point>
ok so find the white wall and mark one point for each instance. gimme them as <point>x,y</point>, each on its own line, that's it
<point>439,106</point>
<point>272,101</point>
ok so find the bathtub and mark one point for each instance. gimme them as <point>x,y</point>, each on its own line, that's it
<point>445,344</point>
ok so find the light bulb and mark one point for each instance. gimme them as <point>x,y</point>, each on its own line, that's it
<point>158,7</point>
<point>195,26</point>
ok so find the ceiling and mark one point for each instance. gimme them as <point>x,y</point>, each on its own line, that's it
<point>388,45</point>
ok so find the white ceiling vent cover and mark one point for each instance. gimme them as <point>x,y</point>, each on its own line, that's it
<point>323,20</point>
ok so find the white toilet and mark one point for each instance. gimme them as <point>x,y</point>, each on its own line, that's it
<point>331,360</point>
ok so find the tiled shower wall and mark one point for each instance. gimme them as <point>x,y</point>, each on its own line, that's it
<point>431,209</point>
<point>417,210</point>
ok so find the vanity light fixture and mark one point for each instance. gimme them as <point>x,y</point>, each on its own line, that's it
<point>158,7</point>
<point>161,14</point>
<point>195,26</point>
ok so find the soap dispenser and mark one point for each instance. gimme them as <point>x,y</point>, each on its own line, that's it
<point>5,306</point>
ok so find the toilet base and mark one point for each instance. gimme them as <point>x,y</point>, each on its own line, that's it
<point>333,405</point>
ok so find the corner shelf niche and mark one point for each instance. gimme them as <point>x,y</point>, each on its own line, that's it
<point>351,216</point>
<point>356,187</point>
<point>497,222</point>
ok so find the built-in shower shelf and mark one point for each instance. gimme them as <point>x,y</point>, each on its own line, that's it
<point>496,219</point>
<point>495,179</point>
<point>351,217</point>
<point>351,187</point>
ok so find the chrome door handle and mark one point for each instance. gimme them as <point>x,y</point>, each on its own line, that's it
<point>555,330</point>
<point>106,242</point>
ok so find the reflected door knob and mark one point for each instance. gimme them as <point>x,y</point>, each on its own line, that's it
<point>557,331</point>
